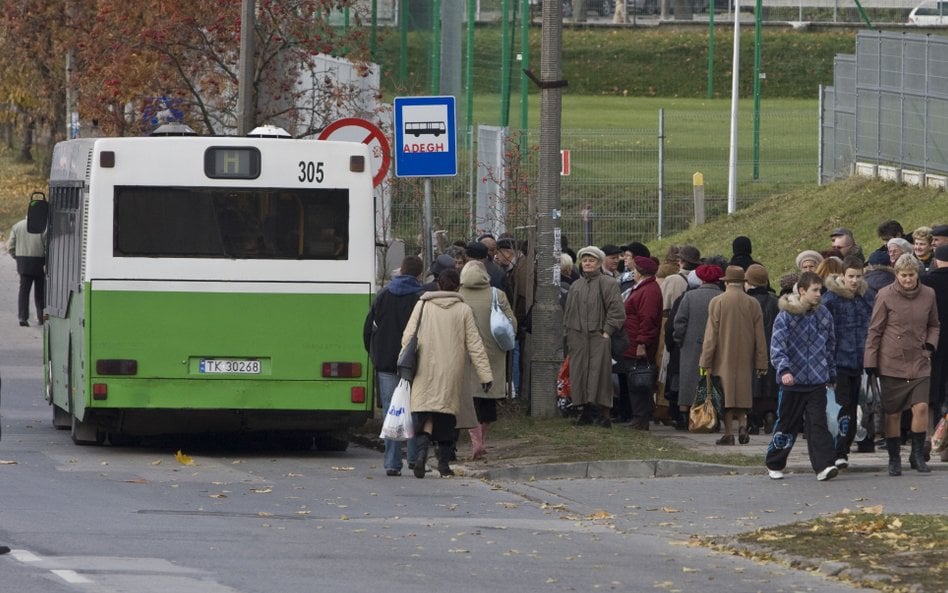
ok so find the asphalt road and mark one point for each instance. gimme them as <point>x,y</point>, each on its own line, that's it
<point>251,518</point>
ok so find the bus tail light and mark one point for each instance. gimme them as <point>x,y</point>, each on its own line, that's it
<point>347,370</point>
<point>116,366</point>
<point>358,395</point>
<point>100,391</point>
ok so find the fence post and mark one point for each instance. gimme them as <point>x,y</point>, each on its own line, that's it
<point>697,180</point>
<point>661,172</point>
<point>819,138</point>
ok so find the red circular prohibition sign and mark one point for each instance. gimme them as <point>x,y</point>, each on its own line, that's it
<point>354,129</point>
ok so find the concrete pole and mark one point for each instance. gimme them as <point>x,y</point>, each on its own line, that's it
<point>546,341</point>
<point>245,71</point>
<point>735,95</point>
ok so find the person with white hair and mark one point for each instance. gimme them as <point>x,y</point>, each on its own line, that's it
<point>897,247</point>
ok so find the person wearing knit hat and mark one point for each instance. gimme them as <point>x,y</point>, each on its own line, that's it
<point>787,282</point>
<point>764,409</point>
<point>688,331</point>
<point>808,260</point>
<point>643,321</point>
<point>733,343</point>
<point>741,248</point>
<point>593,312</point>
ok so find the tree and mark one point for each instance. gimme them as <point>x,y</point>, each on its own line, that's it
<point>138,53</point>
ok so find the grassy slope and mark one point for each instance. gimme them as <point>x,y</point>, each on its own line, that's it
<point>782,226</point>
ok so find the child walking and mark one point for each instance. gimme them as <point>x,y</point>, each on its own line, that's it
<point>803,353</point>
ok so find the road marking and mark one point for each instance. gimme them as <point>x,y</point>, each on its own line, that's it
<point>70,576</point>
<point>25,556</point>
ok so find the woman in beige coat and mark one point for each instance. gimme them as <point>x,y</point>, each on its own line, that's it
<point>478,294</point>
<point>447,339</point>
<point>593,312</point>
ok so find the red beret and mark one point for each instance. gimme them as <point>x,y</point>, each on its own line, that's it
<point>709,273</point>
<point>645,265</point>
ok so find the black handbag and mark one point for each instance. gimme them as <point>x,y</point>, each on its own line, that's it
<point>408,358</point>
<point>642,375</point>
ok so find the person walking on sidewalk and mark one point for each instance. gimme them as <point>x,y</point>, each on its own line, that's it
<point>803,350</point>
<point>849,302</point>
<point>447,340</point>
<point>382,335</point>
<point>903,333</point>
<point>29,251</point>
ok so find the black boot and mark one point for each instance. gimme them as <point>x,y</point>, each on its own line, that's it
<point>917,456</point>
<point>422,440</point>
<point>895,455</point>
<point>444,455</point>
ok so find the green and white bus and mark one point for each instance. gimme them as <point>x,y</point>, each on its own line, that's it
<point>208,284</point>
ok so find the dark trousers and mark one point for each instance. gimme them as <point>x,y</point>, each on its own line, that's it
<point>796,410</point>
<point>848,382</point>
<point>38,285</point>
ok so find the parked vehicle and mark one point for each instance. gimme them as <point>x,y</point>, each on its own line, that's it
<point>930,12</point>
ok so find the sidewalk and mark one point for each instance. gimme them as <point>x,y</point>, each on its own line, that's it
<point>511,469</point>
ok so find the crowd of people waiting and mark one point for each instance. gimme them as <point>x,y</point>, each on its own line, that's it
<point>844,331</point>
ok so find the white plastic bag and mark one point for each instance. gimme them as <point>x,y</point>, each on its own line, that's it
<point>397,425</point>
<point>500,326</point>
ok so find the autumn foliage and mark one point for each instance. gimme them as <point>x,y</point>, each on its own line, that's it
<point>132,56</point>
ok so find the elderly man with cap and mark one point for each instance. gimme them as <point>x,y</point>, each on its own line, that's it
<point>937,278</point>
<point>643,321</point>
<point>593,312</point>
<point>842,239</point>
<point>610,265</point>
<point>478,251</point>
<point>735,348</point>
<point>939,235</point>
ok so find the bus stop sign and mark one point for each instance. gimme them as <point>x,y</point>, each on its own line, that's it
<point>425,137</point>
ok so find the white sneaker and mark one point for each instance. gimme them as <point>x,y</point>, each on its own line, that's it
<point>842,463</point>
<point>827,474</point>
<point>775,474</point>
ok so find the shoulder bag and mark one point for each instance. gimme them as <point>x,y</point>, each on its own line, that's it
<point>408,358</point>
<point>500,326</point>
<point>703,416</point>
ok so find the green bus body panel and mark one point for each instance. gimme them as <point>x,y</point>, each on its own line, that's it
<point>168,333</point>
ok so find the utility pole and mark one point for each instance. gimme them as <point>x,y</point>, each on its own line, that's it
<point>547,337</point>
<point>245,102</point>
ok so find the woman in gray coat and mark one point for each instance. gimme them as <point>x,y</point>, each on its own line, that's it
<point>690,321</point>
<point>593,312</point>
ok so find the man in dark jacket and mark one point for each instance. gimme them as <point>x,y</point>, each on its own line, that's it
<point>382,335</point>
<point>937,278</point>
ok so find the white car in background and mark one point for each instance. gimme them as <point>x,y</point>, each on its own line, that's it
<point>930,12</point>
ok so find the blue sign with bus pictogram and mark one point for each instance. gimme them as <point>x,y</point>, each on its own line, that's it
<point>425,137</point>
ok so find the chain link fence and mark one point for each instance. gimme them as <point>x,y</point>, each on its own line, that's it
<point>623,184</point>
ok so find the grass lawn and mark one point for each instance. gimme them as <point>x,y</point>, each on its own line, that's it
<point>892,553</point>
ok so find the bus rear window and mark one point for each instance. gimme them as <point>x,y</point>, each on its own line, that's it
<point>231,223</point>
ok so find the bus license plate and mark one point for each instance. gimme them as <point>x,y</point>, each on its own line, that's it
<point>226,365</point>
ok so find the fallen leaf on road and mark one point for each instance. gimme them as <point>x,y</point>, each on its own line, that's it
<point>266,490</point>
<point>218,495</point>
<point>458,551</point>
<point>156,462</point>
<point>342,468</point>
<point>876,510</point>
<point>601,515</point>
<point>670,510</point>
<point>688,569</point>
<point>7,462</point>
<point>136,481</point>
<point>292,475</point>
<point>264,514</point>
<point>183,459</point>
